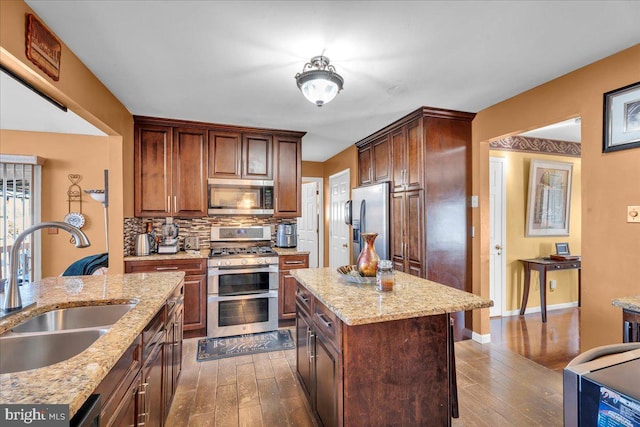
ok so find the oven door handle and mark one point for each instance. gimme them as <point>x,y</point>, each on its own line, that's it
<point>215,298</point>
<point>217,271</point>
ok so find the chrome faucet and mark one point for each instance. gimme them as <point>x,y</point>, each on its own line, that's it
<point>12,299</point>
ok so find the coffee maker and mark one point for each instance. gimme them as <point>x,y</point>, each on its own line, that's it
<point>287,235</point>
<point>168,237</point>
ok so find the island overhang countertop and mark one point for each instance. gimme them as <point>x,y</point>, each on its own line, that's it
<point>359,304</point>
<point>73,380</point>
<point>628,303</point>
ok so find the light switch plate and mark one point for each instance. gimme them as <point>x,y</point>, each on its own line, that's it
<point>473,201</point>
<point>633,214</point>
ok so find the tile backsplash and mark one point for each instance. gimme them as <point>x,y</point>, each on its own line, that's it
<point>199,227</point>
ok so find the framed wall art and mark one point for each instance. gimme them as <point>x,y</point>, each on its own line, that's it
<point>549,200</point>
<point>622,118</point>
<point>43,48</point>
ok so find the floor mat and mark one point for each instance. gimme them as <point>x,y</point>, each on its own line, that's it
<point>219,348</point>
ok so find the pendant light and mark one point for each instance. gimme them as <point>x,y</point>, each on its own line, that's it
<point>318,81</point>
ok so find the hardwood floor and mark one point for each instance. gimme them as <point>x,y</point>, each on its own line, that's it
<point>503,383</point>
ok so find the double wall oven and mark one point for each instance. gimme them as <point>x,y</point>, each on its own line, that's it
<point>242,282</point>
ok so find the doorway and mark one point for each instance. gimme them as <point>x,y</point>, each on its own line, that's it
<point>311,223</point>
<point>339,251</point>
<point>497,230</point>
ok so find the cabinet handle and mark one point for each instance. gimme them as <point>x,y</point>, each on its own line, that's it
<point>293,262</point>
<point>166,268</point>
<point>175,204</point>
<point>145,413</point>
<point>370,174</point>
<point>168,203</point>
<point>324,320</point>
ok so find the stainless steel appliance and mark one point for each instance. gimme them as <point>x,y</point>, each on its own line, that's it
<point>169,237</point>
<point>240,197</point>
<point>242,281</point>
<point>602,387</point>
<point>368,211</point>
<point>145,244</point>
<point>287,235</point>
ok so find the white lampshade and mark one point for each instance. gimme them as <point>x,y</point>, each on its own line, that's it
<point>319,85</point>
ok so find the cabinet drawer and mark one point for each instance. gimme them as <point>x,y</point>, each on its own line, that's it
<point>565,266</point>
<point>189,266</point>
<point>304,298</point>
<point>327,323</point>
<point>152,334</point>
<point>287,262</point>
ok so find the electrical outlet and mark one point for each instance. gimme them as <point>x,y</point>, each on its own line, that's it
<point>552,285</point>
<point>633,214</point>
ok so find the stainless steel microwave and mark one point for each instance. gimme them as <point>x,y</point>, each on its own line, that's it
<point>240,197</point>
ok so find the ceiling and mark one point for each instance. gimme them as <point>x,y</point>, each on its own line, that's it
<point>234,61</point>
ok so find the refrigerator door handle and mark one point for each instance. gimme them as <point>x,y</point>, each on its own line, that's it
<point>363,221</point>
<point>347,212</point>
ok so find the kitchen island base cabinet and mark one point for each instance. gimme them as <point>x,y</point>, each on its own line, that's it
<point>631,326</point>
<point>385,373</point>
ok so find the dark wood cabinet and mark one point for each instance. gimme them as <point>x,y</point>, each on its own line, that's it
<point>288,177</point>
<point>225,155</point>
<point>430,181</point>
<point>195,288</point>
<point>374,162</point>
<point>257,156</point>
<point>630,326</point>
<point>150,403</point>
<point>169,170</point>
<point>318,367</point>
<point>288,284</point>
<point>172,349</point>
<point>126,411</point>
<point>407,241</point>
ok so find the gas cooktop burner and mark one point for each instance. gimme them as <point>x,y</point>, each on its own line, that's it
<point>240,251</point>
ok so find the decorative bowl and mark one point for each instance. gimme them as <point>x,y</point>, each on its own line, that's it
<point>350,274</point>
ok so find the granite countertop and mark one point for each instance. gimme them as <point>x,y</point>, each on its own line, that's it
<point>73,380</point>
<point>289,251</point>
<point>628,303</point>
<point>358,304</point>
<point>203,253</point>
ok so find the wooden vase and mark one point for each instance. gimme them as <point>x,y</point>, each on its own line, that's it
<point>368,259</point>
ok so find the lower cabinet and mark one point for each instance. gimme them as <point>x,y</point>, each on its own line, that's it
<point>195,288</point>
<point>140,387</point>
<point>631,326</point>
<point>287,284</point>
<point>318,364</point>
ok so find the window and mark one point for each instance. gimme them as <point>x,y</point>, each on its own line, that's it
<point>20,178</point>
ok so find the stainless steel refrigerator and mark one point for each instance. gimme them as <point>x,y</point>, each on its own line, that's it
<point>368,211</point>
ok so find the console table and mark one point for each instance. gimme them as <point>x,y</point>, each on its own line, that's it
<point>542,265</point>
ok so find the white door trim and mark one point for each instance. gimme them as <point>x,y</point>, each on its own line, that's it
<point>499,306</point>
<point>320,186</point>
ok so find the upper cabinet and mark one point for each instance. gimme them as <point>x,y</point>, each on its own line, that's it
<point>288,177</point>
<point>174,158</point>
<point>407,157</point>
<point>169,164</point>
<point>374,161</point>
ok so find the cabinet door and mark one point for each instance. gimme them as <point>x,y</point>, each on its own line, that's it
<point>257,156</point>
<point>326,377</point>
<point>287,296</point>
<point>288,177</point>
<point>414,233</point>
<point>195,302</point>
<point>126,413</point>
<point>225,155</point>
<point>399,158</point>
<point>381,159</point>
<point>152,171</point>
<point>397,230</point>
<point>150,404</point>
<point>364,165</point>
<point>303,351</point>
<point>189,172</point>
<point>414,165</point>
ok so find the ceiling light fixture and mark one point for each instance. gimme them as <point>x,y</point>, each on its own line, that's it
<point>318,81</point>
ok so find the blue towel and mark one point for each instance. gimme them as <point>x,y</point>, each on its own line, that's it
<point>87,265</point>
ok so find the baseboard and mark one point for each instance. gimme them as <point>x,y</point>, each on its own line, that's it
<point>537,309</point>
<point>479,338</point>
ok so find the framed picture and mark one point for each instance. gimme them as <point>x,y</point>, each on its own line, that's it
<point>43,48</point>
<point>549,198</point>
<point>622,118</point>
<point>562,249</point>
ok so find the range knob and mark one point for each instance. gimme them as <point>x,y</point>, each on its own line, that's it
<point>244,261</point>
<point>227,262</point>
<point>267,260</point>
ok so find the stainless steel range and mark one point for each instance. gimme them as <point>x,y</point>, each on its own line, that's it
<point>242,282</point>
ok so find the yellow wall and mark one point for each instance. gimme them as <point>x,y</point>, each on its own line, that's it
<point>313,169</point>
<point>85,95</point>
<point>64,154</point>
<point>518,246</point>
<point>610,245</point>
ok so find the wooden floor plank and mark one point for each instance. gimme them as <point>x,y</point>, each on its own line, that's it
<point>250,416</point>
<point>205,399</point>
<point>247,386</point>
<point>272,413</point>
<point>226,413</point>
<point>227,371</point>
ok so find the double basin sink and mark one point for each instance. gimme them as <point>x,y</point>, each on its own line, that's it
<point>56,336</point>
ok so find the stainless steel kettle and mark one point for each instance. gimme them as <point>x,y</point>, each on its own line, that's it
<point>144,244</point>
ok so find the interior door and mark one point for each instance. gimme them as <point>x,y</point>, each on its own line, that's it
<point>497,257</point>
<point>308,238</point>
<point>338,230</point>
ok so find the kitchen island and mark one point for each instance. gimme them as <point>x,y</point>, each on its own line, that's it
<point>377,358</point>
<point>630,317</point>
<point>72,381</point>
